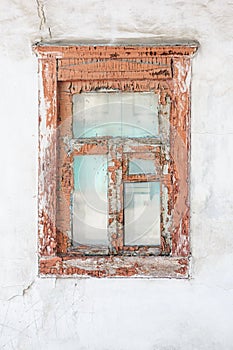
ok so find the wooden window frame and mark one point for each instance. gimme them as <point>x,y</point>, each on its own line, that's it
<point>66,70</point>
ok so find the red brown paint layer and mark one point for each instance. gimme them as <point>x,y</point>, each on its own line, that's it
<point>65,71</point>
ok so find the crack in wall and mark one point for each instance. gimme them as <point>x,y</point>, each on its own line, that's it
<point>42,17</point>
<point>28,287</point>
<point>21,293</point>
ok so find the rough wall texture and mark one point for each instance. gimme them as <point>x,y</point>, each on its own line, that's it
<point>118,314</point>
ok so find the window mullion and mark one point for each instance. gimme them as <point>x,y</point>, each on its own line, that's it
<point>115,192</point>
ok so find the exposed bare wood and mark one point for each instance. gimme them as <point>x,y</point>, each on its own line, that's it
<point>47,157</point>
<point>116,266</point>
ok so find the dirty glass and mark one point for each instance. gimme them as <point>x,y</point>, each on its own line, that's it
<point>141,166</point>
<point>142,213</point>
<point>122,114</point>
<point>90,204</point>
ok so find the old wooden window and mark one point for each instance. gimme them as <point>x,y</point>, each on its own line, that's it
<point>114,160</point>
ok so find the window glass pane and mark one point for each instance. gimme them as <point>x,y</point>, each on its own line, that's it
<point>90,204</point>
<point>141,166</point>
<point>142,213</point>
<point>122,114</point>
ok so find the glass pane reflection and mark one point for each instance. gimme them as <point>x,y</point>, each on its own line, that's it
<point>142,213</point>
<point>90,204</point>
<point>122,114</point>
<point>141,166</point>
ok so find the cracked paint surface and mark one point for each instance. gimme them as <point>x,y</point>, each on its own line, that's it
<point>67,70</point>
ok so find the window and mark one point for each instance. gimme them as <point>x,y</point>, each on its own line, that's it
<point>114,147</point>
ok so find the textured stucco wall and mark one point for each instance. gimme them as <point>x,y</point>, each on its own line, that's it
<point>118,314</point>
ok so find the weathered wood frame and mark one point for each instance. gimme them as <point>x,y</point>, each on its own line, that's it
<point>165,70</point>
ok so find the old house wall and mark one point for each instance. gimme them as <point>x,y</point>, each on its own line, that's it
<point>118,314</point>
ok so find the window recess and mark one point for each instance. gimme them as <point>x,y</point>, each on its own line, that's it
<point>114,160</point>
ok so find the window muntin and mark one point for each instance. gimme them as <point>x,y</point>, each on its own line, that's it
<point>133,167</point>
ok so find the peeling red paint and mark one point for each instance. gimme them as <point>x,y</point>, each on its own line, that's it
<point>124,52</point>
<point>114,266</point>
<point>68,70</point>
<point>62,242</point>
<point>109,68</point>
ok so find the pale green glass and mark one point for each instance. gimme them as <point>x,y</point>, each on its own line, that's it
<point>116,114</point>
<point>141,166</point>
<point>142,213</point>
<point>90,203</point>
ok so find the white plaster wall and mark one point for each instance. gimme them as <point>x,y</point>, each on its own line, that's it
<point>121,314</point>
